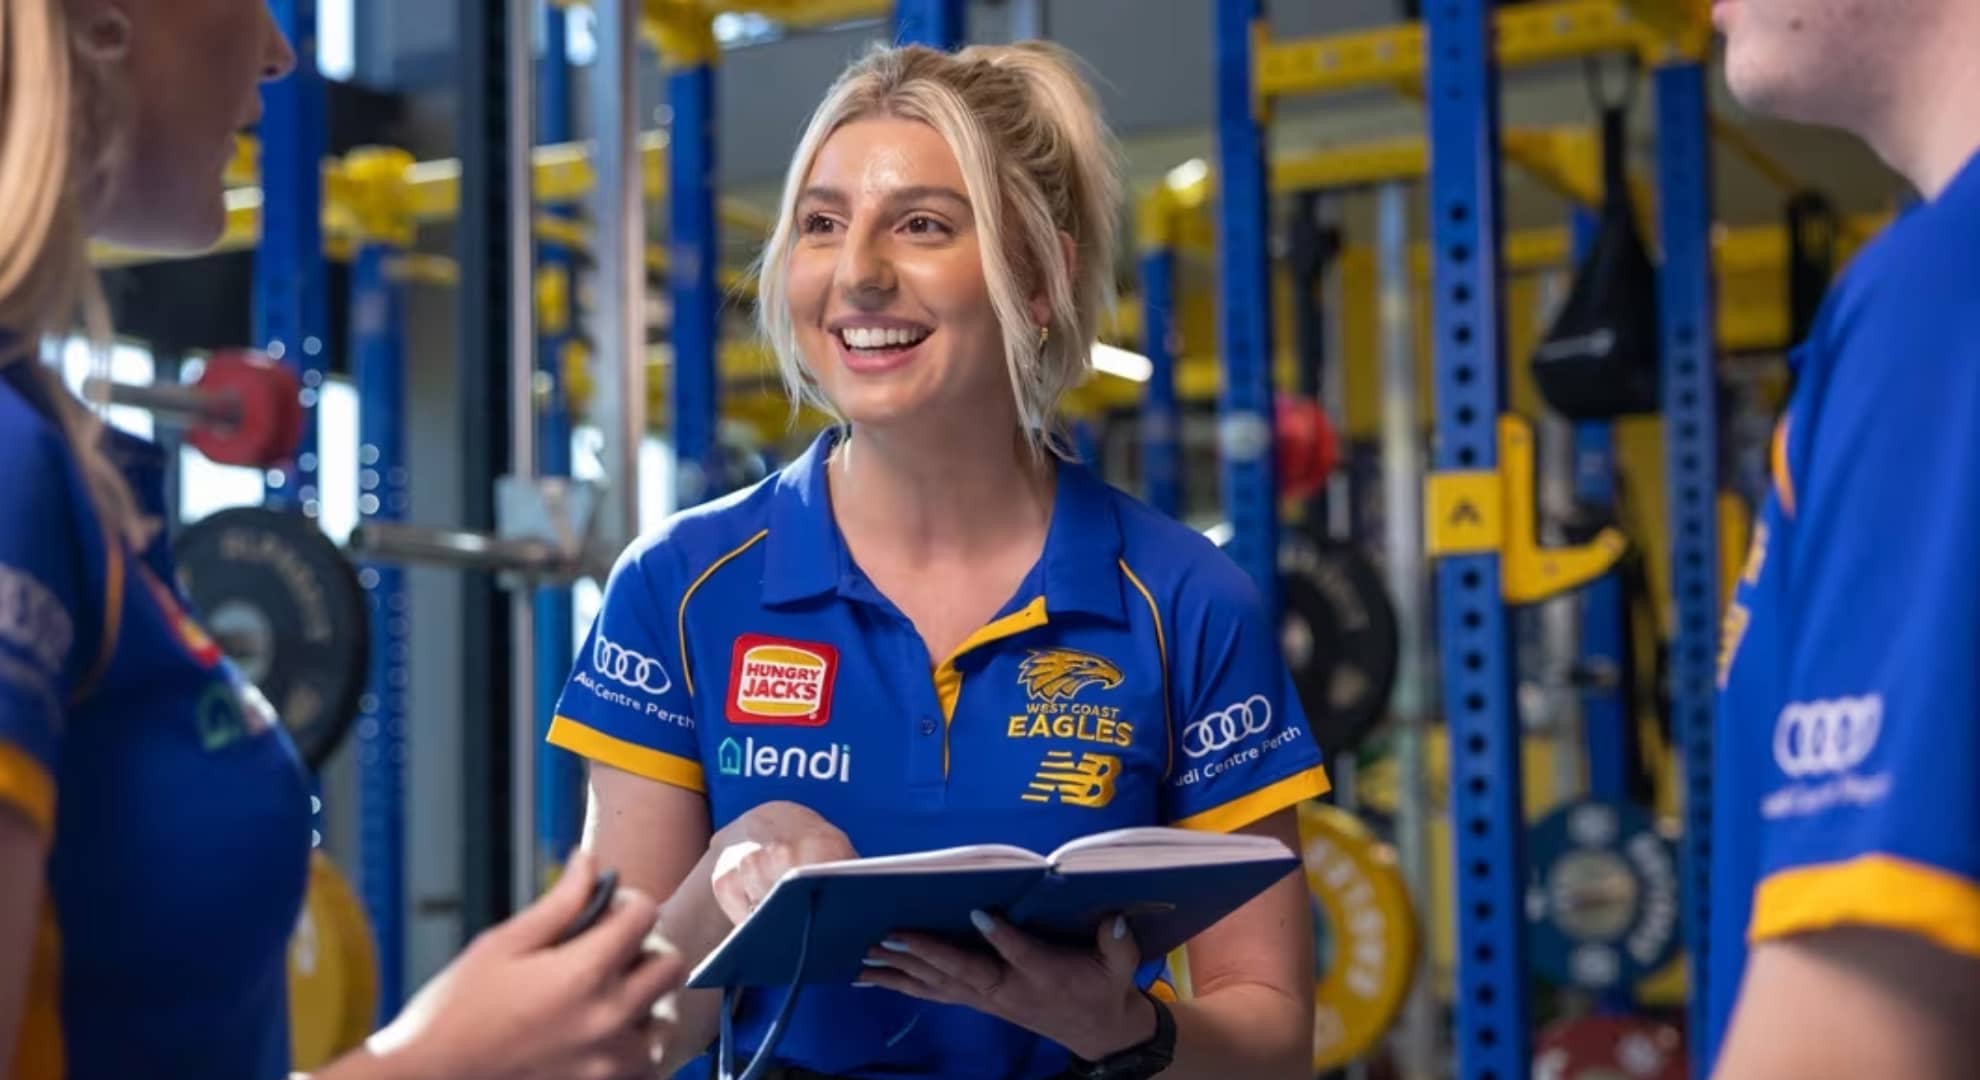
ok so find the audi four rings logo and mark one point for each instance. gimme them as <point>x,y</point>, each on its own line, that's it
<point>1816,737</point>
<point>1227,727</point>
<point>628,668</point>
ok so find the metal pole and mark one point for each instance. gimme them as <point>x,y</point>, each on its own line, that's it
<point>1161,424</point>
<point>523,875</point>
<point>619,247</point>
<point>559,777</point>
<point>1030,20</point>
<point>1244,308</point>
<point>378,354</point>
<point>1474,637</point>
<point>1402,534</point>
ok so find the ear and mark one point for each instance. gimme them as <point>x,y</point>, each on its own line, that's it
<point>1041,301</point>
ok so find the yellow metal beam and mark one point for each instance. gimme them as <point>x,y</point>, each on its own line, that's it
<point>1685,24</point>
<point>1528,35</point>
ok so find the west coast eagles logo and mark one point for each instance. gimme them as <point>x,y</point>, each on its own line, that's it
<point>1058,674</point>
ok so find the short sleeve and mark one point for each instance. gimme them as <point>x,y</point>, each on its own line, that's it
<point>627,703</point>
<point>43,595</point>
<point>1867,813</point>
<point>1241,747</point>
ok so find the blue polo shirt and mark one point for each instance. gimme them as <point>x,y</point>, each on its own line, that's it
<point>1133,679</point>
<point>1848,757</point>
<point>176,808</point>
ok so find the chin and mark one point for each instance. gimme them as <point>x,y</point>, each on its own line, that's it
<point>163,226</point>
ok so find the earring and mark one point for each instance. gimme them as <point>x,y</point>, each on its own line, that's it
<point>1044,335</point>
<point>108,36</point>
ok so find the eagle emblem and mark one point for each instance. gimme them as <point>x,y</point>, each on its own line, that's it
<point>1058,674</point>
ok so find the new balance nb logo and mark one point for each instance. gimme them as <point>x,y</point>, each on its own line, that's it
<point>1086,781</point>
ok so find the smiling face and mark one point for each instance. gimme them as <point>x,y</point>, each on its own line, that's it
<point>192,74</point>
<point>887,292</point>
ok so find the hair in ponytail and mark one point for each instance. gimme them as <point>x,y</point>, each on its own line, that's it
<point>1039,164</point>
<point>56,147</point>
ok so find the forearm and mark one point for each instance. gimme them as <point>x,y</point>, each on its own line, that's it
<point>1244,1029</point>
<point>693,923</point>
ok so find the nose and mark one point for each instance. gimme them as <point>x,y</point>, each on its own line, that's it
<point>278,59</point>
<point>866,270</point>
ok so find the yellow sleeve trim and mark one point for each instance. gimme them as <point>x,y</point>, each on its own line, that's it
<point>24,783</point>
<point>632,757</point>
<point>1871,890</point>
<point>1264,802</point>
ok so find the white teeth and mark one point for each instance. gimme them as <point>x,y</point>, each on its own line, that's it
<point>875,337</point>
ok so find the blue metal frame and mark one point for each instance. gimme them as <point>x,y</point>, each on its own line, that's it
<point>942,24</point>
<point>378,357</point>
<point>696,252</point>
<point>1689,337</point>
<point>1475,633</point>
<point>559,777</point>
<point>1244,316</point>
<point>291,276</point>
<point>1605,712</point>
<point>1161,453</point>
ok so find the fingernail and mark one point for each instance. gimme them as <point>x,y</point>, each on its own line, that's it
<point>983,922</point>
<point>863,985</point>
<point>1120,927</point>
<point>895,945</point>
<point>874,961</point>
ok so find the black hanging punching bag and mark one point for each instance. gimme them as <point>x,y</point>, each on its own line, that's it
<point>1599,359</point>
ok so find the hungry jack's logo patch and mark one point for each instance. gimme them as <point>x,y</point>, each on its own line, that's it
<point>778,681</point>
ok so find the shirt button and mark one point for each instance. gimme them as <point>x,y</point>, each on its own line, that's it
<point>928,727</point>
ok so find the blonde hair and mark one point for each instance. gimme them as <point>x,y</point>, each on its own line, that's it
<point>56,155</point>
<point>1037,160</point>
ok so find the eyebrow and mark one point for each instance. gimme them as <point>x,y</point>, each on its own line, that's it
<point>917,193</point>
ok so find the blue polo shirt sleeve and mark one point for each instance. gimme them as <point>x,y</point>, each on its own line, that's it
<point>1241,747</point>
<point>44,593</point>
<point>1867,813</point>
<point>628,702</point>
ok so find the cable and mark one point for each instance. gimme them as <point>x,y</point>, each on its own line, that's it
<point>762,1060</point>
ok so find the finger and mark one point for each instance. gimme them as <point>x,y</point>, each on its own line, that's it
<point>612,945</point>
<point>1117,947</point>
<point>902,983</point>
<point>657,974</point>
<point>539,924</point>
<point>1018,949</point>
<point>944,968</point>
<point>621,1056</point>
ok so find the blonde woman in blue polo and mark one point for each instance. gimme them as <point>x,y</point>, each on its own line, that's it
<point>933,628</point>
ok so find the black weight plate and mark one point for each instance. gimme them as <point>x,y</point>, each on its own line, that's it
<point>1338,629</point>
<point>287,608</point>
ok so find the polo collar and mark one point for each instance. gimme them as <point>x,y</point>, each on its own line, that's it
<point>805,556</point>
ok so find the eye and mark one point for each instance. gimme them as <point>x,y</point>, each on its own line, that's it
<point>814,223</point>
<point>923,225</point>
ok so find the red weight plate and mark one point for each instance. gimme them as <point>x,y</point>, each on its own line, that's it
<point>1610,1048</point>
<point>269,418</point>
<point>1305,449</point>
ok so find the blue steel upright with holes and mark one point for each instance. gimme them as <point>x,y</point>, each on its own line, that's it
<point>378,355</point>
<point>559,777</point>
<point>938,23</point>
<point>1244,317</point>
<point>291,278</point>
<point>1161,425</point>
<point>1605,713</point>
<point>1474,631</point>
<point>695,250</point>
<point>1689,336</point>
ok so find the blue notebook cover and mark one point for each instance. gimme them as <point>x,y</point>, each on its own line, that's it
<point>1172,885</point>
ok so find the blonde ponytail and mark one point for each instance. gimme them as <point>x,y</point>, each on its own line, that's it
<point>55,153</point>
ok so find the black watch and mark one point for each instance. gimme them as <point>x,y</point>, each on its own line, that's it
<point>1137,1062</point>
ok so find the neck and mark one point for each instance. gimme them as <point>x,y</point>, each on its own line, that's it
<point>1928,129</point>
<point>939,495</point>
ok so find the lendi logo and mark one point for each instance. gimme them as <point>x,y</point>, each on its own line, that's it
<point>751,760</point>
<point>777,681</point>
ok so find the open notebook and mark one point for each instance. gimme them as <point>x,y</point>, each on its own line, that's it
<point>1171,883</point>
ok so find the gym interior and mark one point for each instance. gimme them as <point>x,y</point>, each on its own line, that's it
<point>482,316</point>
